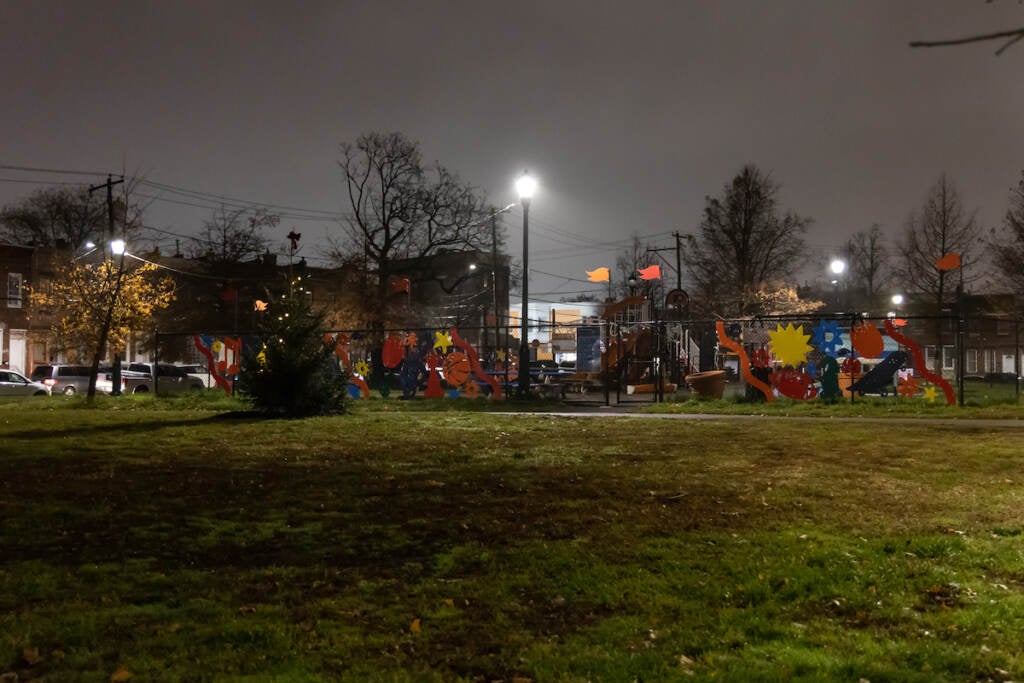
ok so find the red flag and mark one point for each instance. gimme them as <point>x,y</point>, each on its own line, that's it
<point>650,273</point>
<point>950,261</point>
<point>599,275</point>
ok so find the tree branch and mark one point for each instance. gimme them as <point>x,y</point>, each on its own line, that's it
<point>1013,35</point>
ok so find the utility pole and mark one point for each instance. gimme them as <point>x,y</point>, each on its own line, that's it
<point>101,348</point>
<point>494,279</point>
<point>679,259</point>
<point>110,201</point>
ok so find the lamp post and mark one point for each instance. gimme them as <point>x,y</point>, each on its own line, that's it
<point>897,301</point>
<point>525,187</point>
<point>837,267</point>
<point>117,248</point>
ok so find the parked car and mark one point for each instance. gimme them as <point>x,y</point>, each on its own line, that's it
<point>202,373</point>
<point>70,379</point>
<point>143,378</point>
<point>16,384</point>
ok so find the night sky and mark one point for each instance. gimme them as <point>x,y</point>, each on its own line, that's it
<point>628,113</point>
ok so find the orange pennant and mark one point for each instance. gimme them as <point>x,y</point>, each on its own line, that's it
<point>599,275</point>
<point>650,273</point>
<point>950,261</point>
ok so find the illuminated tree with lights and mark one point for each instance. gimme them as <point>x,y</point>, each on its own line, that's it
<point>84,298</point>
<point>291,369</point>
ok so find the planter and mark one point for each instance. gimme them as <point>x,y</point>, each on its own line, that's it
<point>709,384</point>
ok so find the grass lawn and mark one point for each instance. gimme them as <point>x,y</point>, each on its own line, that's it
<point>159,541</point>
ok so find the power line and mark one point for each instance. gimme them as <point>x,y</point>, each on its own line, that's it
<point>59,171</point>
<point>242,203</point>
<point>38,182</point>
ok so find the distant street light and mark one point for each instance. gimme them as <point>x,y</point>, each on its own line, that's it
<point>897,301</point>
<point>525,186</point>
<point>837,267</point>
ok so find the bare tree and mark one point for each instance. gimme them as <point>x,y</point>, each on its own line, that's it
<point>52,216</point>
<point>401,209</point>
<point>869,260</point>
<point>743,243</point>
<point>940,228</point>
<point>71,217</point>
<point>233,235</point>
<point>1007,245</point>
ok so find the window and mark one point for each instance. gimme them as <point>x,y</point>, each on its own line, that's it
<point>1003,326</point>
<point>13,290</point>
<point>972,361</point>
<point>948,357</point>
<point>990,360</point>
<point>929,356</point>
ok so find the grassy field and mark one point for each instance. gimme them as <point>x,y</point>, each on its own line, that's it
<point>163,541</point>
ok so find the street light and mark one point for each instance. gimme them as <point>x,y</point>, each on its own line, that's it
<point>837,267</point>
<point>525,187</point>
<point>897,301</point>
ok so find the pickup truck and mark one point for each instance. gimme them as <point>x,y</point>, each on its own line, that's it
<point>141,378</point>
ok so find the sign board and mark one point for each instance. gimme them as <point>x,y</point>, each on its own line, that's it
<point>677,298</point>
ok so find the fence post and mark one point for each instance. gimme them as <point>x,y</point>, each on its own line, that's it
<point>961,353</point>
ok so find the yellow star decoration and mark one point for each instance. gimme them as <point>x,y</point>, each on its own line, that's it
<point>931,393</point>
<point>442,341</point>
<point>501,355</point>
<point>789,344</point>
<point>362,368</point>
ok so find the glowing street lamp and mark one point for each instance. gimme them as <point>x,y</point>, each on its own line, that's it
<point>525,187</point>
<point>837,267</point>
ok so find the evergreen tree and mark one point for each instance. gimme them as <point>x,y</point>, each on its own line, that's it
<point>290,370</point>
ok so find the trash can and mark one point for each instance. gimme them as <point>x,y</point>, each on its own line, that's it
<point>709,384</point>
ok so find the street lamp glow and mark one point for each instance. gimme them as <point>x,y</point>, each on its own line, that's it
<point>526,185</point>
<point>838,266</point>
<point>117,247</point>
<point>897,299</point>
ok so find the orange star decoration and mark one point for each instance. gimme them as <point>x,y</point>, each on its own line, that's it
<point>789,344</point>
<point>931,393</point>
<point>411,339</point>
<point>908,387</point>
<point>442,341</point>
<point>259,305</point>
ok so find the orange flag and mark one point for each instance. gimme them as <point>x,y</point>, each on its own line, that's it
<point>599,275</point>
<point>950,261</point>
<point>650,273</point>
